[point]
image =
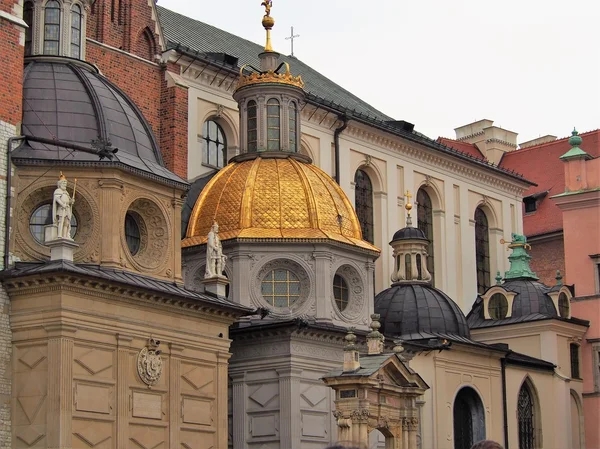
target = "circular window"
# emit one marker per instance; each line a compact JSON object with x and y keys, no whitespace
{"x":498,"y":306}
{"x":563,"y":305}
{"x":280,"y":288}
{"x":340,"y":292}
{"x":132,"y":233}
{"x":42,"y":217}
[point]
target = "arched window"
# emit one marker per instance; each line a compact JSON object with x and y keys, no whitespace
{"x":213,"y":144}
{"x":364,"y":204}
{"x":469,"y":419}
{"x":293,"y":111}
{"x":563,"y":305}
{"x":252,"y":135}
{"x":76,"y":31}
{"x":482,"y":251}
{"x":28,"y":19}
{"x":273,"y":125}
{"x":52,"y":28}
{"x":407,"y":267}
{"x":525,"y":417}
{"x":340,"y":292}
{"x":425,"y":224}
{"x":498,"y":306}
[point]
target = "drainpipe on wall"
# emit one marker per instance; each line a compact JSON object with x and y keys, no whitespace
{"x":336,"y":144}
{"x":504,"y":411}
{"x":9,"y":145}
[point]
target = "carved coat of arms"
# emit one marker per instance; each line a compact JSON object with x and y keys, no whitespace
{"x":149,"y":363}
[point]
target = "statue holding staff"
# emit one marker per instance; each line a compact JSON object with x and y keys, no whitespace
{"x":215,"y":259}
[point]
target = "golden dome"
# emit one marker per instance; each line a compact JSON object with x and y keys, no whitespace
{"x":274,"y":198}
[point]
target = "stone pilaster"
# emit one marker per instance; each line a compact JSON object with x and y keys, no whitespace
{"x":175,"y":395}
{"x":111,"y":223}
{"x":240,"y":392}
{"x":222,"y":425}
{"x":123,"y":368}
{"x":323,"y":284}
{"x":60,"y":386}
{"x":289,"y":392}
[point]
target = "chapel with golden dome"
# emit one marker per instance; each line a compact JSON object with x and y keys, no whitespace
{"x":292,"y":239}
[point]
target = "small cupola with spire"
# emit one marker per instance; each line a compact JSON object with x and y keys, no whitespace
{"x":269,"y":99}
{"x":56,"y":28}
{"x":409,"y":246}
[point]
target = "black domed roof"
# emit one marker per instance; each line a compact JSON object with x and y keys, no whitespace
{"x":409,"y":233}
{"x":68,"y":101}
{"x":415,"y":311}
{"x":532,"y":297}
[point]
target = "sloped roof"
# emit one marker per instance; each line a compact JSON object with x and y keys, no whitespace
{"x":464,"y":147}
{"x":542,"y":165}
{"x":179,"y":29}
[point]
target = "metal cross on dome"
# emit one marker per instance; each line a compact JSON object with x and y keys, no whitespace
{"x":291,"y":37}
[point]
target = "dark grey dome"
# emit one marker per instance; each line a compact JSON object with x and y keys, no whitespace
{"x":409,"y":233}
{"x":415,"y":311}
{"x":532,"y":297}
{"x":69,"y":102}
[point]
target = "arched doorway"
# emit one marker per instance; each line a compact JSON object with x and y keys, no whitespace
{"x":469,"y":419}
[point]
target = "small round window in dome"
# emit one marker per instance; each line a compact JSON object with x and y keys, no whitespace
{"x":498,"y":306}
{"x":280,"y":288}
{"x":132,"y":233}
{"x":340,"y":292}
{"x":41,"y":217}
{"x":563,"y":305}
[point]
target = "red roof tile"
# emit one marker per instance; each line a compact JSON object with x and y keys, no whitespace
{"x":464,"y":147}
{"x":541,"y":164}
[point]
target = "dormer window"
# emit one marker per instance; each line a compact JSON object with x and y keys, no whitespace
{"x":76,"y":31}
{"x":530,"y":205}
{"x":564,"y":305}
{"x":52,"y":28}
{"x":498,"y":306}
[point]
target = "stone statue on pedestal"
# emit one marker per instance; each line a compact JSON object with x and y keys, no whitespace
{"x":62,"y":209}
{"x":215,"y":259}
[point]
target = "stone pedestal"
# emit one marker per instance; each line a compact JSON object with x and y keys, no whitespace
{"x":50,"y":232}
{"x":61,"y":249}
{"x":216,"y":285}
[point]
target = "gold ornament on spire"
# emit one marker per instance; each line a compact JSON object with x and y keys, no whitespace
{"x":408,"y":206}
{"x":62,"y":177}
{"x":268,"y":22}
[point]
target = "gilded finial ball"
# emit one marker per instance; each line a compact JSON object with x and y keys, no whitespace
{"x":408,"y":207}
{"x":268,"y":22}
{"x":575,"y":140}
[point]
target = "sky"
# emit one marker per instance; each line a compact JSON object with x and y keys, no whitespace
{"x":531,"y":66}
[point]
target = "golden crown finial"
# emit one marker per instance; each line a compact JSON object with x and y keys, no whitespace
{"x":62,"y":177}
{"x":268,"y":22}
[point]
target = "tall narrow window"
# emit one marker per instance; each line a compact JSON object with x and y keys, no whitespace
{"x":525,"y":418}
{"x":213,"y":144}
{"x":273,"y":125}
{"x":28,"y":19}
{"x":574,"y":349}
{"x":425,"y":224}
{"x":482,"y":251}
{"x":252,"y":136}
{"x":76,"y":31}
{"x":407,"y":268}
{"x":364,"y":204}
{"x":51,"y":28}
{"x":293,"y":119}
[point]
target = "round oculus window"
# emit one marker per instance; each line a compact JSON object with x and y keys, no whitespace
{"x":132,"y":233}
{"x":280,"y":288}
{"x":563,"y":305}
{"x":340,"y":292}
{"x":42,"y":217}
{"x":498,"y":306}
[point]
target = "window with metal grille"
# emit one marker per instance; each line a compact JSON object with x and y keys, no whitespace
{"x":425,"y":224}
{"x":574,"y":348}
{"x":28,"y":19}
{"x":482,"y":251}
{"x":280,"y":288}
{"x":293,"y":111}
{"x":363,"y":204}
{"x":564,"y":305}
{"x":525,"y":417}
{"x":252,"y":134}
{"x":76,"y":31}
{"x":273,"y":125}
{"x":498,"y":306}
{"x":213,"y":144}
{"x":52,"y":28}
{"x":340,"y":292}
{"x":41,"y":217}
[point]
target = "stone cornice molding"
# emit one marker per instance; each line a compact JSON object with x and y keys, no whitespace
{"x":502,"y":142}
{"x":525,"y":329}
{"x":106,"y":290}
{"x":470,"y":136}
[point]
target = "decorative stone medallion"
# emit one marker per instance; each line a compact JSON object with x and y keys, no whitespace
{"x":149,"y":363}
{"x":356,"y":301}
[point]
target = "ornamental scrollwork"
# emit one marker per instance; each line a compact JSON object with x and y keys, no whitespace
{"x":360,"y":414}
{"x":149,"y":363}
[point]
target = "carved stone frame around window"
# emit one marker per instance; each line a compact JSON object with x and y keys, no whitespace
{"x":510,"y":296}
{"x":356,"y":298}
